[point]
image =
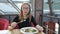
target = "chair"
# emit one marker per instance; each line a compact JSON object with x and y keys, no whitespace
{"x":51,"y":26}
{"x":4,"y":23}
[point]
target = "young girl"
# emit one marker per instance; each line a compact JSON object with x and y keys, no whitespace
{"x":25,"y":18}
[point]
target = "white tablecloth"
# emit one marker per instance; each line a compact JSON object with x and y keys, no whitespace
{"x":5,"y":32}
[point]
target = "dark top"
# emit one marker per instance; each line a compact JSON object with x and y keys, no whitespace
{"x":25,"y":23}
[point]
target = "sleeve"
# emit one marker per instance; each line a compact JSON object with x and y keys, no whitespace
{"x":33,"y":21}
{"x":16,"y":19}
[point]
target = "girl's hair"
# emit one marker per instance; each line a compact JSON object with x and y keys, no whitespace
{"x":28,"y":15}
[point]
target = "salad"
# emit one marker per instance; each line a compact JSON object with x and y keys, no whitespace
{"x":29,"y":30}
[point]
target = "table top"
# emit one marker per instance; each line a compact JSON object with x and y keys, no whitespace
{"x":17,"y":31}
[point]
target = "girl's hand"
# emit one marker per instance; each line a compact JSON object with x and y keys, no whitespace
{"x":10,"y":28}
{"x":13,"y":24}
{"x":39,"y":28}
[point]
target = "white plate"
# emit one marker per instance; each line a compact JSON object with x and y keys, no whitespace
{"x":22,"y":30}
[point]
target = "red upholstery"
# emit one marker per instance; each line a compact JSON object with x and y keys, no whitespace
{"x":32,"y":25}
{"x":4,"y":23}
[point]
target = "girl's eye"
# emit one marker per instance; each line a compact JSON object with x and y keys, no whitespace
{"x":25,"y":8}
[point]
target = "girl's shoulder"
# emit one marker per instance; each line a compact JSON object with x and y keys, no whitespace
{"x":17,"y":16}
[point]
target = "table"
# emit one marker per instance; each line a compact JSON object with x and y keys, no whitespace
{"x":17,"y":31}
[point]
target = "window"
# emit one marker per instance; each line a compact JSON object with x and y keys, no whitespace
{"x":55,"y":7}
{"x":21,"y":0}
{"x":45,"y":7}
{"x":11,"y":6}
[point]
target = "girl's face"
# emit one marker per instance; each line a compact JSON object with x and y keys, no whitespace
{"x":25,"y":9}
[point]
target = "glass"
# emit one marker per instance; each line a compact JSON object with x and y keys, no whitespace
{"x":18,"y":5}
{"x":7,"y":8}
{"x":46,"y":7}
{"x":56,"y":6}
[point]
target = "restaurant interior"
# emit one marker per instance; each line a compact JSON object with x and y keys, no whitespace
{"x":46,"y":13}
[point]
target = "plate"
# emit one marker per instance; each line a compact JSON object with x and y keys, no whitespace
{"x":29,"y":30}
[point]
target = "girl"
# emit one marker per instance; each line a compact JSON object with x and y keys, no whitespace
{"x":25,"y":18}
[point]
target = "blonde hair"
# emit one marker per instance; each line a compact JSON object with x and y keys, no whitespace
{"x":21,"y":17}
